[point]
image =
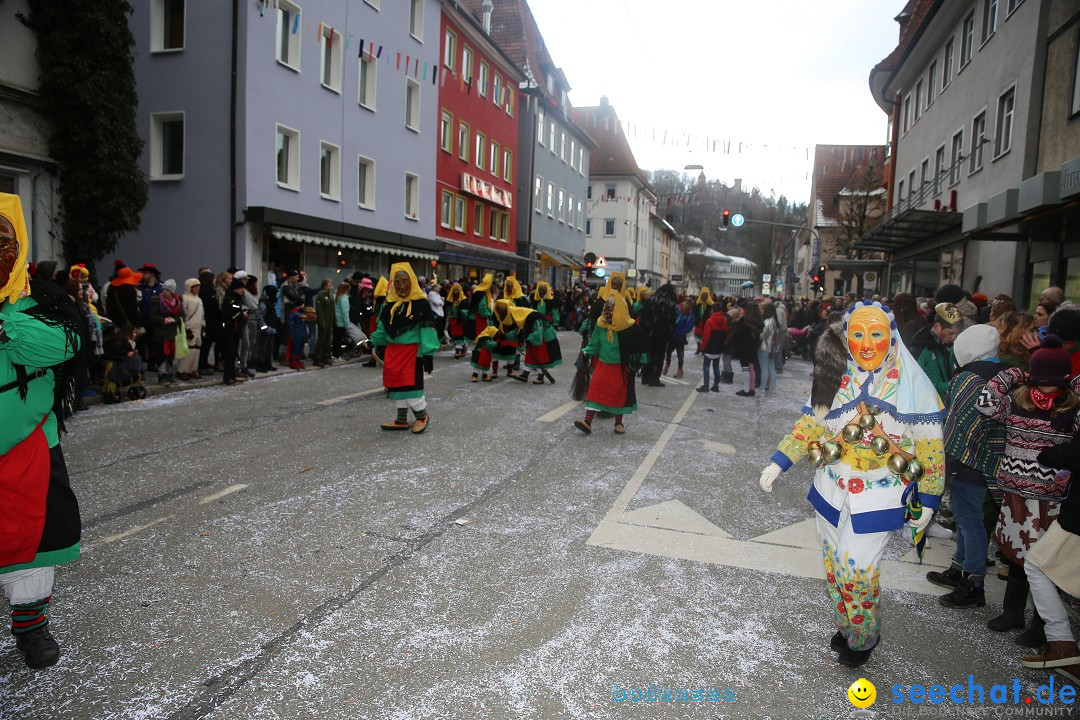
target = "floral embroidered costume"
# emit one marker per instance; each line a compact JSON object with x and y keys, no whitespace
{"x":39,"y":515}
{"x":873,"y":430}
{"x":406,"y":327}
{"x":617,"y":348}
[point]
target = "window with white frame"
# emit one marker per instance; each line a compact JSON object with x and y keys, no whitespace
{"x":330,"y":48}
{"x":989,"y":24}
{"x":482,"y":80}
{"x":573,"y":154}
{"x":562,"y":205}
{"x":508,"y":165}
{"x":967,"y":39}
{"x":480,"y":149}
{"x":538,"y":193}
{"x":508,"y":100}
{"x":287,"y":49}
{"x":412,"y":104}
{"x":551,"y":137}
{"x":956,"y":158}
{"x":947,"y":65}
{"x":570,"y":210}
{"x":1003,"y":137}
{"x":541,"y":125}
{"x":367,"y":82}
{"x":562,"y":145}
{"x":446,"y":131}
{"x":939,"y":169}
{"x":478,"y":218}
{"x":581,"y":162}
{"x":459,"y":213}
{"x":496,"y":90}
{"x":610,"y":191}
{"x":978,"y":139}
{"x":329,"y":171}
{"x":493,"y":224}
{"x":446,"y":209}
{"x":504,"y":226}
{"x":463,"y":141}
{"x":931,"y":79}
{"x":911,"y":182}
{"x":1012,"y":5}
{"x":365,"y":182}
{"x":167,"y":146}
{"x":167,"y":25}
{"x":918,"y":100}
{"x":907,"y":113}
{"x":580,"y":215}
{"x":288,"y":158}
{"x":493,"y":159}
{"x":609,"y":227}
{"x":550,"y":199}
{"x":467,"y":63}
{"x":412,"y":196}
{"x":900,"y":192}
{"x":450,"y":49}
{"x":924,"y":177}
{"x":416,"y":19}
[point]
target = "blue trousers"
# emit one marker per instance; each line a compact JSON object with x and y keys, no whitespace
{"x":715,"y":363}
{"x":968,"y":494}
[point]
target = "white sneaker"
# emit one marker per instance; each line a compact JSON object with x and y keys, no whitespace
{"x":936,"y":531}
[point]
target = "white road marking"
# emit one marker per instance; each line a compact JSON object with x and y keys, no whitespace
{"x":343,"y":398}
{"x":716,"y":447}
{"x":673,"y":515}
{"x":227,"y":491}
{"x":673,"y":381}
{"x":558,"y":412}
{"x":646,"y":465}
{"x":132,"y":531}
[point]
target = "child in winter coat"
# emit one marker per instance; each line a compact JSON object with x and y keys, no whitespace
{"x":713,"y":336}
{"x":298,"y":337}
{"x":684,"y":325}
{"x":1039,"y":410}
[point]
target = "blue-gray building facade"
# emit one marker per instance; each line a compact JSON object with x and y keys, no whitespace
{"x":302,"y":163}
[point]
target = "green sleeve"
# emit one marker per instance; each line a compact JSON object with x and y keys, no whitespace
{"x":33,"y":343}
{"x":484,"y":309}
{"x":928,"y":361}
{"x":536,"y":337}
{"x":593,"y":348}
{"x":379,"y":337}
{"x":429,"y":341}
{"x":555,"y":317}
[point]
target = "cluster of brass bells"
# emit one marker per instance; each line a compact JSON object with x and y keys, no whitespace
{"x":823,"y":453}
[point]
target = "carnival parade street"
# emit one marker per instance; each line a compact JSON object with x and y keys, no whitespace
{"x":265,"y":551}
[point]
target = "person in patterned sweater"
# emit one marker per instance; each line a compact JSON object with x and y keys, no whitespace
{"x":1039,"y":411}
{"x":872,"y":428}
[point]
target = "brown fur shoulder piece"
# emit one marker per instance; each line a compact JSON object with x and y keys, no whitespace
{"x":830,"y":362}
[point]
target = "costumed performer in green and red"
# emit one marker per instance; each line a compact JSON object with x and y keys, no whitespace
{"x":617,"y":348}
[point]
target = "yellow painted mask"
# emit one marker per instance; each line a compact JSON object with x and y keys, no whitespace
{"x":868,"y":337}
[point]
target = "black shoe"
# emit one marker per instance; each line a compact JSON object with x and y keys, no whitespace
{"x":966,"y":594}
{"x":584,"y":426}
{"x":838,"y":642}
{"x":703,"y":388}
{"x":950,"y":578}
{"x":714,"y":388}
{"x":745,"y":393}
{"x":855,"y":658}
{"x":1009,"y":619}
{"x":38,"y":647}
{"x":524,"y":378}
{"x":947,"y":523}
{"x":369,"y":363}
{"x":1033,"y":636}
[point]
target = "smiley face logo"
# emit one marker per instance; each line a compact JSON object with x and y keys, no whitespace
{"x":862,"y":693}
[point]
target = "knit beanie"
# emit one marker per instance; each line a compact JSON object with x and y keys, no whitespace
{"x":1050,"y":364}
{"x":169,"y":284}
{"x":1065,"y":324}
{"x":949,"y":294}
{"x":236,"y":284}
{"x":978,"y":342}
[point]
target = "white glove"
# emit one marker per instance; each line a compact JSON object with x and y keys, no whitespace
{"x":922,"y":522}
{"x":768,"y":476}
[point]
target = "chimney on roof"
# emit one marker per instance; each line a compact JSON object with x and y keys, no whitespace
{"x":604,"y":101}
{"x":488,"y":7}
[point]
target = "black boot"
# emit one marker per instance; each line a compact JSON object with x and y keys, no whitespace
{"x":727,"y":378}
{"x":968,"y":593}
{"x":1012,"y":613}
{"x":950,"y":578}
{"x":38,"y":647}
{"x":1033,"y":636}
{"x":838,"y":642}
{"x":855,"y":658}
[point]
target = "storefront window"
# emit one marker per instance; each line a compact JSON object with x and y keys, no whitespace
{"x":1039,"y":277}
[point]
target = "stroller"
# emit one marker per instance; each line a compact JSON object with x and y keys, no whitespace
{"x":356,"y":343}
{"x":120,"y":375}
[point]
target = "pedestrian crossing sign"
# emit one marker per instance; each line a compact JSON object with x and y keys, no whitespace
{"x":601,"y":261}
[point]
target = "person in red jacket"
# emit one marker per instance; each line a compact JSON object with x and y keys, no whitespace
{"x":712,"y":346}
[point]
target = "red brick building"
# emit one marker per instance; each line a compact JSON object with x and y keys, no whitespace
{"x":476,"y":170}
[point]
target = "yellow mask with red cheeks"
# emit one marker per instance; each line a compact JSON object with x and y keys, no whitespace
{"x":868,"y":337}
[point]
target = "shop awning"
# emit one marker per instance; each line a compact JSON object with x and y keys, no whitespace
{"x":338,"y":241}
{"x":907,"y":228}
{"x":557,"y":258}
{"x":457,"y":251}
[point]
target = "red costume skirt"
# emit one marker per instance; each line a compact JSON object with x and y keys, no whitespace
{"x":402,"y":369}
{"x":608,"y":389}
{"x":24,"y":486}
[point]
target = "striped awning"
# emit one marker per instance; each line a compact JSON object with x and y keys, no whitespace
{"x":338,"y":241}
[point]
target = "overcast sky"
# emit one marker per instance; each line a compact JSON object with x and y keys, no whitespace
{"x":777,"y":75}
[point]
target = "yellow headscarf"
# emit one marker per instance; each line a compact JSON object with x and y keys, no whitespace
{"x":620,"y":318}
{"x":485,"y":286}
{"x":456,"y":294}
{"x":644,"y":293}
{"x":415,"y":291}
{"x":18,"y":284}
{"x":512,"y":289}
{"x":704,"y":297}
{"x":543,"y":292}
{"x":513,"y":315}
{"x":381,"y":287}
{"x":602,"y":293}
{"x":631,"y":295}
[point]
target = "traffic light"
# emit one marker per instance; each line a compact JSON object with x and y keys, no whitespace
{"x":819,"y":279}
{"x":590,"y":264}
{"x":726,"y":215}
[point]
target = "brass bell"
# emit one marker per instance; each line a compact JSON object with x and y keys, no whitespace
{"x":867,"y":421}
{"x":814,"y":454}
{"x":851,"y":433}
{"x":830,"y":452}
{"x":880,"y":444}
{"x":897,"y":463}
{"x":914,"y":470}
{"x":873,"y":410}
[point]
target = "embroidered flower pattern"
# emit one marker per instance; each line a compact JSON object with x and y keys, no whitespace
{"x":854,"y":592}
{"x":855,"y":486}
